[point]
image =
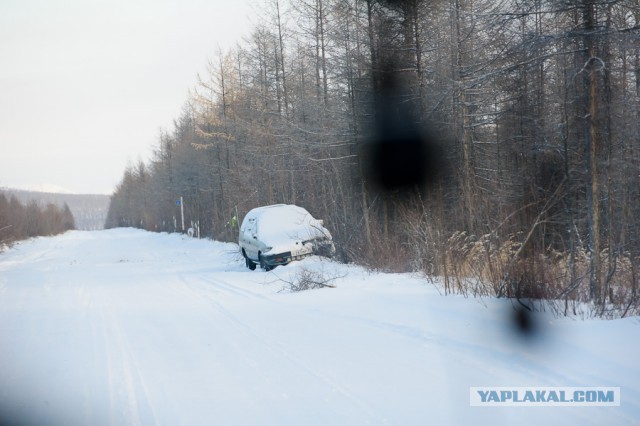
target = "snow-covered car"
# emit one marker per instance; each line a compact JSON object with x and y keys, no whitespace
{"x":278,"y":234}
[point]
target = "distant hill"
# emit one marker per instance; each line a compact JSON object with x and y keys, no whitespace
{"x":89,"y":210}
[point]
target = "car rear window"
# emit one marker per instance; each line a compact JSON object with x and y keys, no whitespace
{"x":283,"y":222}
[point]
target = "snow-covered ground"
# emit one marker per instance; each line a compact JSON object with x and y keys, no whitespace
{"x":128,"y":327}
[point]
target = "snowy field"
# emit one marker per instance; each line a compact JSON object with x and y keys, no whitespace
{"x":126,"y":327}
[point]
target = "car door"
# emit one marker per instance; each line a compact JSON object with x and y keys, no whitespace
{"x":250,"y":239}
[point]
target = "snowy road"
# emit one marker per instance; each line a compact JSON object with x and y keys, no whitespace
{"x":127,"y":327}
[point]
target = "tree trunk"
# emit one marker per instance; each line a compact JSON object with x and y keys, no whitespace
{"x":592,"y":154}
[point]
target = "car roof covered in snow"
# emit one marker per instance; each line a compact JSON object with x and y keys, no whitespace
{"x":286,"y":221}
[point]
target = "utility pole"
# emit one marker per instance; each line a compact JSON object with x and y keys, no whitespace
{"x":180,"y":202}
{"x":182,"y":211}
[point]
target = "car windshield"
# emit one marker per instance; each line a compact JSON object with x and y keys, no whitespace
{"x":286,"y":223}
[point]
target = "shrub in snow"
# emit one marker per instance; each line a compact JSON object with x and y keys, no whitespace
{"x":308,"y":279}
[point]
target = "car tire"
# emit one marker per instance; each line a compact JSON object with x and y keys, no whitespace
{"x":251,"y":265}
{"x":248,"y":262}
{"x":263,"y":264}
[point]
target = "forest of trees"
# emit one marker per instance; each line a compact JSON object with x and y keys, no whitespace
{"x":535,"y":105}
{"x":19,"y":221}
{"x":89,"y":210}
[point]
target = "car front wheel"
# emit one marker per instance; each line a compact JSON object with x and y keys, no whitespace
{"x":248,"y":262}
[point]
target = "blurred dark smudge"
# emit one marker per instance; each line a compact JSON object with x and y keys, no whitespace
{"x":403,"y":153}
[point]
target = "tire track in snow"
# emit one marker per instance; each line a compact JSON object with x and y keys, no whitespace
{"x":128,"y":397}
{"x":469,"y":353}
{"x":226,"y":287}
{"x":279,"y":350}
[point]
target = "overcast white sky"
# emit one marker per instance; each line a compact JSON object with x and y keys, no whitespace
{"x":85,"y":85}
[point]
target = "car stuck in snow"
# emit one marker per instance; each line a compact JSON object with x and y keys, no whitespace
{"x":278,"y":234}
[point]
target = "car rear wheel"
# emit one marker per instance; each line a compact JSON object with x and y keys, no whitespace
{"x":263,"y":264}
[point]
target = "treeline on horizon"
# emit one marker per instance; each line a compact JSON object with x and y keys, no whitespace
{"x":537,"y":103}
{"x":19,"y":221}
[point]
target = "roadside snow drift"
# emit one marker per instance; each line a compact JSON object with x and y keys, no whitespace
{"x":128,"y":327}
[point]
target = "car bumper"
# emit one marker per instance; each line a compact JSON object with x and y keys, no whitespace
{"x":320,"y":247}
{"x":283,"y":258}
